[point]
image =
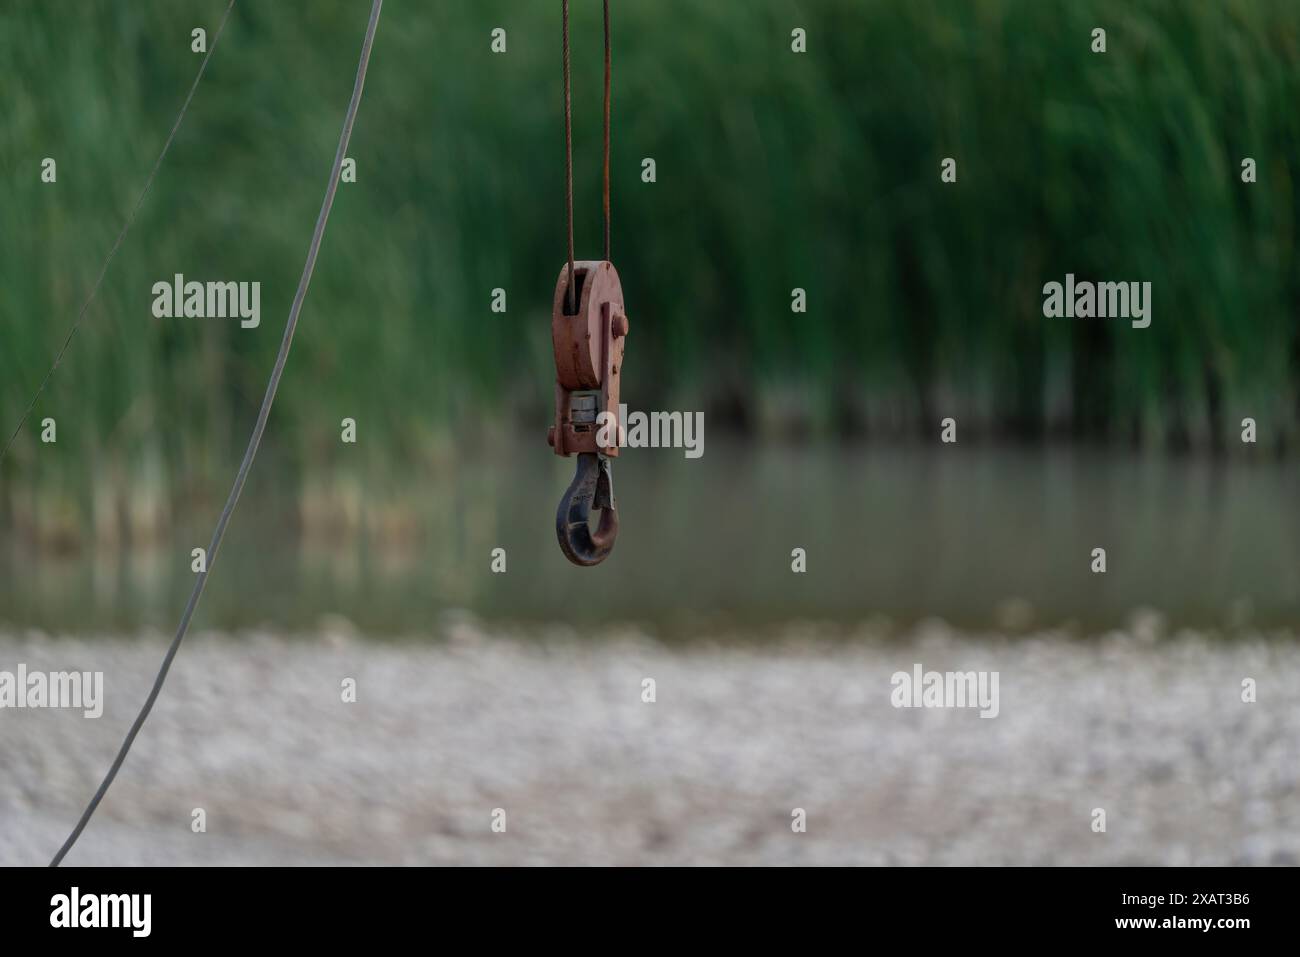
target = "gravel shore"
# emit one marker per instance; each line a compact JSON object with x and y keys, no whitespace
{"x":551,"y":728}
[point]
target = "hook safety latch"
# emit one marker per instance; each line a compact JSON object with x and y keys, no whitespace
{"x":588,"y":344}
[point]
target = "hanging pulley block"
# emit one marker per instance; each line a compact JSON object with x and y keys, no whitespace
{"x":588,"y":333}
{"x":588,"y":344}
{"x":588,"y":329}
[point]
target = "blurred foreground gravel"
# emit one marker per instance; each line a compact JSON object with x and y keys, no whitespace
{"x":551,"y":727}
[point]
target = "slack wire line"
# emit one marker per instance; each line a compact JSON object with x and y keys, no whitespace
{"x":112,"y":253}
{"x":254,"y":440}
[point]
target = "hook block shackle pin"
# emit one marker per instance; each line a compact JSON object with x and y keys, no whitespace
{"x":588,"y":345}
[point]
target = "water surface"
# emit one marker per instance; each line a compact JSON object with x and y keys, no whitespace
{"x":978,"y":536}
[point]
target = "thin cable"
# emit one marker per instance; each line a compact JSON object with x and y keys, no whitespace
{"x":568,"y":153}
{"x":94,"y":289}
{"x":607,"y":71}
{"x":253,"y":441}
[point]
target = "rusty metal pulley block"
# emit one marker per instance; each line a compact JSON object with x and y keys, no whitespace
{"x":588,"y":333}
{"x":588,"y":329}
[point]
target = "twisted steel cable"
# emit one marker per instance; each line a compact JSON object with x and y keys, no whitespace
{"x":254,"y":440}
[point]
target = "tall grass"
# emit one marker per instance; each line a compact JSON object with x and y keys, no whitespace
{"x":775,"y":170}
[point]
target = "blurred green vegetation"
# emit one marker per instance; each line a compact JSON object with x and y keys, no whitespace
{"x":775,"y":170}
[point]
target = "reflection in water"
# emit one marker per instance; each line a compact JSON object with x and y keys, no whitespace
{"x":976,"y":536}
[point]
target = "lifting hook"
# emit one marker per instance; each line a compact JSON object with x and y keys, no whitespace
{"x":593,"y":484}
{"x":588,"y":344}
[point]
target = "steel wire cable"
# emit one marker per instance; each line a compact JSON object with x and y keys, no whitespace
{"x":254,"y":440}
{"x":126,"y":227}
